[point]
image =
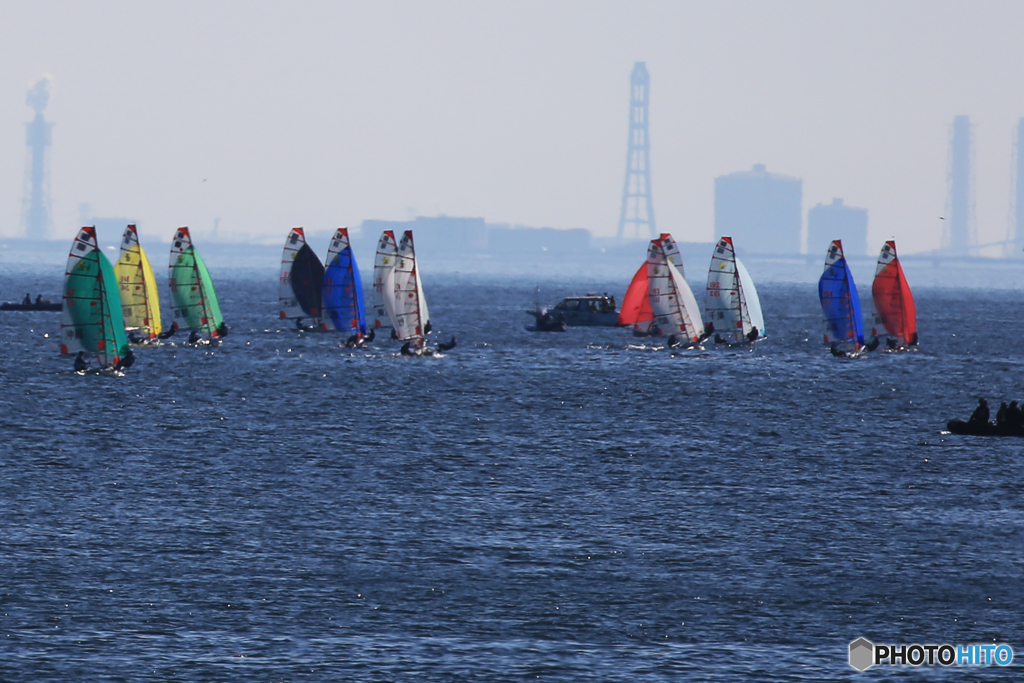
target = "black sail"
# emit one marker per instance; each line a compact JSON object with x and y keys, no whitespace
{"x":307,"y":280}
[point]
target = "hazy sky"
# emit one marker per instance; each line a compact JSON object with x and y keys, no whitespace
{"x":272,"y":114}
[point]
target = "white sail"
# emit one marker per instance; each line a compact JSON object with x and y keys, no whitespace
{"x":723,"y":303}
{"x":390,"y":304}
{"x":731,"y":304}
{"x":339,"y":243}
{"x":289,"y":305}
{"x":672,"y":252}
{"x":672,"y":302}
{"x":383,"y":282}
{"x":750,"y":298}
{"x":408,"y":320}
{"x":424,"y":313}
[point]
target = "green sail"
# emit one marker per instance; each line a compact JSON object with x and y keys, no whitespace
{"x":93,"y":322}
{"x":195,"y":301}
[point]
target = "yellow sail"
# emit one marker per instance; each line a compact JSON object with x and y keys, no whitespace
{"x":140,"y":302}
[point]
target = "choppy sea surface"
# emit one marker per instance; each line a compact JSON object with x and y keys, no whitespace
{"x":554,"y":507}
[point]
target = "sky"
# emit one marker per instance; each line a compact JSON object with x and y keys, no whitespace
{"x":268,"y":115}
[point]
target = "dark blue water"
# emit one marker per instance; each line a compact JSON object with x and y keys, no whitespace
{"x":528,"y":507}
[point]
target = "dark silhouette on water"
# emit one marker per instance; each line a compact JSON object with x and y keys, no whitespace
{"x":80,"y":363}
{"x":547,"y":323}
{"x":126,"y":361}
{"x":1008,"y":421}
{"x":981,"y":413}
{"x":1014,"y":415}
{"x":168,"y":333}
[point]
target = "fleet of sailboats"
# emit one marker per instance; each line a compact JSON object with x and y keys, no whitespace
{"x":107,"y":306}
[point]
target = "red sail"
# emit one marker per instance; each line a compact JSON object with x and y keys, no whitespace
{"x":636,"y":305}
{"x":894,"y":302}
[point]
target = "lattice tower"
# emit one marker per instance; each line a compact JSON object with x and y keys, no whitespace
{"x":637,"y":217}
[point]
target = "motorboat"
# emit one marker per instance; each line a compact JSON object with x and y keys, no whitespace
{"x":590,"y":310}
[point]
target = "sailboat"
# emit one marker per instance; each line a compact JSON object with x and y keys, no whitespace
{"x":140,"y":301}
{"x":894,"y":311}
{"x":384,"y":282}
{"x":302,"y":277}
{"x":342,"y":288}
{"x":410,"y":317}
{"x":840,"y":305}
{"x":658,"y":299}
{"x":732,"y":307}
{"x":91,"y":320}
{"x":193,"y":299}
{"x":672,"y":302}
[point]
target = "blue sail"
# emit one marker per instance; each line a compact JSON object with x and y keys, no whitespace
{"x":343,"y":293}
{"x":840,"y":304}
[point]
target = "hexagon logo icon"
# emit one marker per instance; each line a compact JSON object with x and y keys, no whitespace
{"x":862,"y":654}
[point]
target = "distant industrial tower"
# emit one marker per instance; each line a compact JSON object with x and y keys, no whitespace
{"x":959,"y":233}
{"x":36,"y":203}
{"x":637,"y":210}
{"x":1015,"y":229}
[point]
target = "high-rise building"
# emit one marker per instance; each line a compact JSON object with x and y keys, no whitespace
{"x":761,"y":211}
{"x":837,"y":221}
{"x":36,"y":203}
{"x":959,"y":228}
{"x":636,"y":220}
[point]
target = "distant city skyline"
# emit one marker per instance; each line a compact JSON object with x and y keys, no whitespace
{"x":320,"y":114}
